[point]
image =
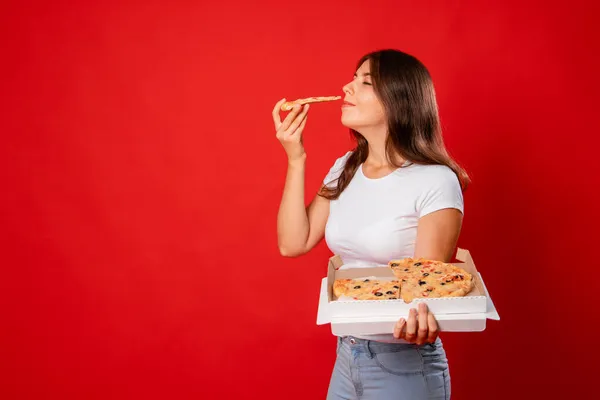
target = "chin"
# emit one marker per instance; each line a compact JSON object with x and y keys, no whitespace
{"x":358,"y":126}
{"x":361,"y":122}
{"x":351,"y":123}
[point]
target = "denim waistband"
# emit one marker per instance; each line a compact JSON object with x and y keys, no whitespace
{"x":371,"y":347}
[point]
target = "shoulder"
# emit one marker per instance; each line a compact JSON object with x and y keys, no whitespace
{"x":438,"y":188}
{"x":434,"y":175}
{"x":337,"y":168}
{"x":341,"y":161}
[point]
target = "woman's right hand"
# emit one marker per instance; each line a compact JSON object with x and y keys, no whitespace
{"x":289,"y":132}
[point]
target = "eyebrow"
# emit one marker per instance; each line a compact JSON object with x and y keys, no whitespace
{"x":365,"y":74}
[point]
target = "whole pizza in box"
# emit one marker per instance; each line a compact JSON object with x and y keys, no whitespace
{"x":416,"y":278}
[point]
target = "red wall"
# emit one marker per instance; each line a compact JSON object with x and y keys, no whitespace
{"x":139,"y":166}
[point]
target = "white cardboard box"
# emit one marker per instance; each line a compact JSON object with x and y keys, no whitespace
{"x":370,"y":317}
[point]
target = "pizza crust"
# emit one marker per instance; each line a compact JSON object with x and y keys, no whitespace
{"x":288,"y":105}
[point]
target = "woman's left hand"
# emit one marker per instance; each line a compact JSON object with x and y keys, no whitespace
{"x":420,"y":328}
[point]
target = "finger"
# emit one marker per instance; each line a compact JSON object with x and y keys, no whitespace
{"x":423,"y":330}
{"x":399,"y":328}
{"x":411,"y":326}
{"x":298,"y":121}
{"x":290,"y":118}
{"x":296,"y":135}
{"x":434,"y":330}
{"x":301,"y":128}
{"x":276,"y":116}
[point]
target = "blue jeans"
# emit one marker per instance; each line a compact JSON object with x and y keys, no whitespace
{"x":368,"y":370}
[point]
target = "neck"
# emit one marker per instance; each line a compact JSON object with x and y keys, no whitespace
{"x":377,"y":155}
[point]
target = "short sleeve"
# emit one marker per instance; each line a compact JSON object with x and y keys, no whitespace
{"x":336,"y":170}
{"x":442,"y":191}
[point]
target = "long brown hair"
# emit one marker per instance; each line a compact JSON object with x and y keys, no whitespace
{"x":405,"y":88}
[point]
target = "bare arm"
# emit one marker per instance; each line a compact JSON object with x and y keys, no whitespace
{"x":437,"y":234}
{"x":299,"y":228}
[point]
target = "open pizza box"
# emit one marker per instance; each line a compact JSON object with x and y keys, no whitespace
{"x":370,"y":317}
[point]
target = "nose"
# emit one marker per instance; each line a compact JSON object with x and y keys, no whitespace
{"x":348,"y":88}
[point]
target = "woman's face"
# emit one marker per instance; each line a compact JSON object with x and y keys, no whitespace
{"x":362,"y":109}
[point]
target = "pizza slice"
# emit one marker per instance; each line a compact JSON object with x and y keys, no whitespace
{"x":406,"y":267}
{"x":288,"y":105}
{"x":427,"y":278}
{"x":342,"y":287}
{"x":366,"y":289}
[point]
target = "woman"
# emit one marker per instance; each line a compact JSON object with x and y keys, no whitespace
{"x":397,"y":194}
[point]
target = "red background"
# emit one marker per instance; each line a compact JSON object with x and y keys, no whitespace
{"x":139,"y":159}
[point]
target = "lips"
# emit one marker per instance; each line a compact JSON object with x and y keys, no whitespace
{"x":348,"y":104}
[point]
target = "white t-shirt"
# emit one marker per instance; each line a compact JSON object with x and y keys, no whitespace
{"x":375,"y":220}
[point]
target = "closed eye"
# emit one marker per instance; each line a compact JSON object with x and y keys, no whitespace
{"x":364,"y":76}
{"x":364,"y":82}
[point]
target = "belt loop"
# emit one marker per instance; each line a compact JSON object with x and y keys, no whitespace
{"x":368,"y":348}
